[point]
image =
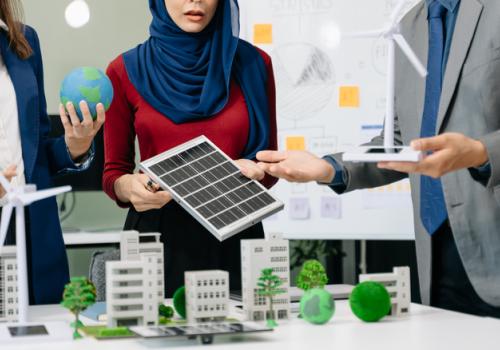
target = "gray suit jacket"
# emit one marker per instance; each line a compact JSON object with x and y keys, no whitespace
{"x":470,"y":104}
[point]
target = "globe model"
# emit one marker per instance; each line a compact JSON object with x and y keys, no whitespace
{"x":87,"y":84}
{"x":317,"y":306}
{"x":370,"y":301}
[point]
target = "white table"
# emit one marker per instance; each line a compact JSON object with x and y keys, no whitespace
{"x":425,"y":329}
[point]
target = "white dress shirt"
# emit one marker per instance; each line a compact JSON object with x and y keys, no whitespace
{"x":10,"y":137}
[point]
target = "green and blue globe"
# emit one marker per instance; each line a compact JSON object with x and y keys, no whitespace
{"x":88,"y":84}
{"x":317,"y":306}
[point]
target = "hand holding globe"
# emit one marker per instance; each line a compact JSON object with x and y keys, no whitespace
{"x":86,"y":93}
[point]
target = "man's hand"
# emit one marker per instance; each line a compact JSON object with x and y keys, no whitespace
{"x":450,"y":152}
{"x":296,"y":166}
{"x":250,"y":169}
{"x":9,"y":173}
{"x":79,"y":134}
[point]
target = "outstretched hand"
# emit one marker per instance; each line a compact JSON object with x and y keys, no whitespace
{"x":295,"y":166}
{"x":450,"y":152}
{"x":9,"y":173}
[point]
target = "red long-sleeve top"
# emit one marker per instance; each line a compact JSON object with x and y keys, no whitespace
{"x":130,"y":115}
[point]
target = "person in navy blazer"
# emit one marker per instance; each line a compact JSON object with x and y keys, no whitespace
{"x":43,"y":157}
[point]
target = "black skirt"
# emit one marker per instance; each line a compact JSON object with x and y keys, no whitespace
{"x":188,"y":246}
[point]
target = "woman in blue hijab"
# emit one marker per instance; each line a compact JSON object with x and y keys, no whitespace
{"x":192,"y":77}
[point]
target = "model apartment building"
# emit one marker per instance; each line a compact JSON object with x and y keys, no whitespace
{"x":397,"y":284}
{"x":259,"y":254}
{"x":131,"y":293}
{"x":8,"y":284}
{"x":134,"y":245}
{"x":207,"y":295}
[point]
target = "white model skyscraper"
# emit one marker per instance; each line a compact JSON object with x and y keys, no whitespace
{"x":207,"y":295}
{"x":259,"y":254}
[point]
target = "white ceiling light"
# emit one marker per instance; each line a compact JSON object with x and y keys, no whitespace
{"x":77,"y":13}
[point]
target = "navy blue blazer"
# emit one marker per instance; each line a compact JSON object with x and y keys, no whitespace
{"x":44,"y":158}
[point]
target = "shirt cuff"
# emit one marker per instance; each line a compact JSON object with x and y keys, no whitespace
{"x":482,"y":173}
{"x":339,"y":182}
{"x":83,"y":162}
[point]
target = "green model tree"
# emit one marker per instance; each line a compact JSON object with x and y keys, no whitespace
{"x":78,"y":295}
{"x":312,"y":275}
{"x":269,"y":287}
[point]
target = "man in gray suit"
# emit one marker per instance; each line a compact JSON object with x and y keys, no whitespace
{"x":453,"y":116}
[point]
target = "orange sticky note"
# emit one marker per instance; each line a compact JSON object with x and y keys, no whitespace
{"x":295,"y":143}
{"x":263,"y":34}
{"x":349,"y":97}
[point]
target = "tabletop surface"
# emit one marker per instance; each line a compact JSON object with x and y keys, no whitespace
{"x":425,"y":328}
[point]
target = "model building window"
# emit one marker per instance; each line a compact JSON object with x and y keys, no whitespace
{"x":223,"y":282}
{"x":199,"y":308}
{"x":216,"y":282}
{"x":10,"y":267}
{"x":282,"y":314}
{"x":205,"y":283}
{"x":258,"y":250}
{"x":211,"y":282}
{"x":9,"y":278}
{"x":205,"y":308}
{"x":205,"y":295}
{"x":199,"y":283}
{"x":217,"y":295}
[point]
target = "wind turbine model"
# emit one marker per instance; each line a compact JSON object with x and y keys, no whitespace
{"x":19,"y":197}
{"x":391,"y":32}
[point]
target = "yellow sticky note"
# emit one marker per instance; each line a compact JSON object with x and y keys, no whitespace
{"x":263,"y":34}
{"x":295,"y":143}
{"x":349,"y":97}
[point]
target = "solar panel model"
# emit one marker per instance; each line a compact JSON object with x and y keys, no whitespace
{"x":209,"y":185}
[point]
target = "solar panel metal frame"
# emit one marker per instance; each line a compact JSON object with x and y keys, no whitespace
{"x":229,"y":230}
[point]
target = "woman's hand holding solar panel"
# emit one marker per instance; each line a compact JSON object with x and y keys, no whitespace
{"x":141,"y":192}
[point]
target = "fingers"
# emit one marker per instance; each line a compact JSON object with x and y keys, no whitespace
{"x":87,"y":122}
{"x":250,"y":169}
{"x":430,"y":143}
{"x":10,"y":172}
{"x":435,"y":165}
{"x":147,"y":196}
{"x":101,"y":116}
{"x":75,"y":121}
{"x":68,"y":128}
{"x":271,"y":156}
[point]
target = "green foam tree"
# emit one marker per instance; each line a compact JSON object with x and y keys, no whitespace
{"x":269,"y":284}
{"x":78,"y":295}
{"x":370,"y":301}
{"x":312,"y":275}
{"x":180,"y":301}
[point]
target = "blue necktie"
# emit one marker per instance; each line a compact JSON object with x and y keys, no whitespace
{"x":432,"y":206}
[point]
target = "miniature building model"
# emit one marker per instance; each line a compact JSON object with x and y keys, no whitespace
{"x":207,"y":295}
{"x":8,"y":284}
{"x":134,"y":245}
{"x":259,"y":254}
{"x":398,"y":286}
{"x":131,"y":297}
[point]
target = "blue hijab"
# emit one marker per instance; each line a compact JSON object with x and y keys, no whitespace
{"x":186,"y":76}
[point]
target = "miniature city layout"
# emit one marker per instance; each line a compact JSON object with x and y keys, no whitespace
{"x":135,"y":308}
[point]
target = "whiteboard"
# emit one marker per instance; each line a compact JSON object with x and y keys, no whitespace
{"x":330,"y":97}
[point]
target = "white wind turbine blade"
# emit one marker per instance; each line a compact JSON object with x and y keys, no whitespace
{"x":367,"y":34}
{"x":5,"y":183}
{"x":405,"y":47}
{"x":4,"y":224}
{"x":396,"y":13}
{"x":28,"y":198}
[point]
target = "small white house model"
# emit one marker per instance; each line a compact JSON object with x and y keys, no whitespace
{"x":134,"y":245}
{"x":207,"y":295}
{"x":8,"y":284}
{"x":259,"y":254}
{"x":131,"y":297}
{"x":398,"y":286}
